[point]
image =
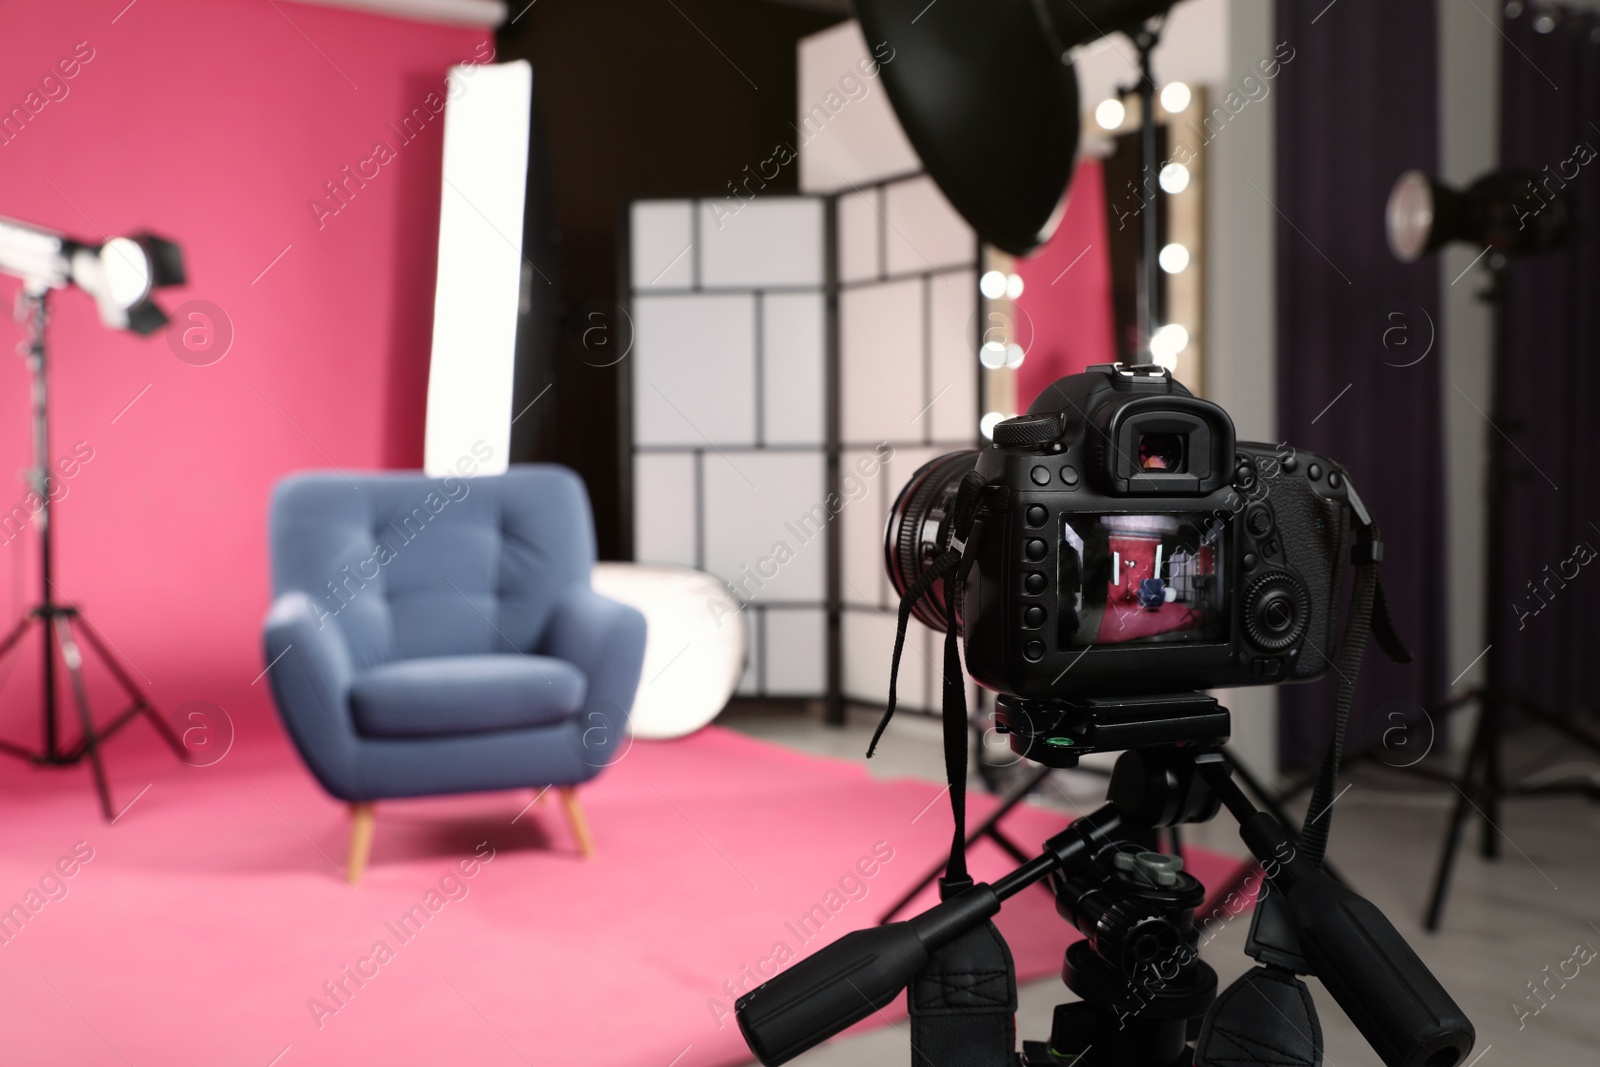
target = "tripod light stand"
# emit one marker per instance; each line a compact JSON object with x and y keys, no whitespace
{"x":1423,"y":216}
{"x":119,"y":274}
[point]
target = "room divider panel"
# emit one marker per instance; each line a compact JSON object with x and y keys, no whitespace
{"x":795,"y":359}
{"x":729,"y":418}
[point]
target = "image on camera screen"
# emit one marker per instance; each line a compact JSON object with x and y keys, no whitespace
{"x":1142,"y":578}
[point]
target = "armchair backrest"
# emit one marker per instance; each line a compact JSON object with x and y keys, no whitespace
{"x":407,"y":565}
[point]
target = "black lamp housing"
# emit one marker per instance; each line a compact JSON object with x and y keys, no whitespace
{"x":1507,"y":211}
{"x":120,"y":273}
{"x":164,"y":260}
{"x":987,"y":94}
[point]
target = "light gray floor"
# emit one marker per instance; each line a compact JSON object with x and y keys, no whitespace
{"x":1505,"y":923}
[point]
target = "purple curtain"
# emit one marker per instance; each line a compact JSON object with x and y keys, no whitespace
{"x":1358,"y":105}
{"x":1549,"y":381}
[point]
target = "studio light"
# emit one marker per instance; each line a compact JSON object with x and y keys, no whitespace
{"x":1175,"y":97}
{"x":967,"y":77}
{"x":119,"y":274}
{"x":992,"y":284}
{"x":1504,"y":215}
{"x":1174,"y":178}
{"x":1511,"y":212}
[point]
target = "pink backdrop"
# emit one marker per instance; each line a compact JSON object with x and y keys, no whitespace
{"x":216,"y":122}
{"x":1066,"y":292}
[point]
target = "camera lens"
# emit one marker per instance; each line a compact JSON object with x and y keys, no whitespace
{"x":919,"y":529}
{"x":1162,"y":452}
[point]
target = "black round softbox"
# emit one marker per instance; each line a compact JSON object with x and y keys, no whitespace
{"x":989,"y":102}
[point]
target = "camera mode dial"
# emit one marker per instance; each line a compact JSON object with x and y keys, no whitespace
{"x":1276,"y":607}
{"x":1030,"y":431}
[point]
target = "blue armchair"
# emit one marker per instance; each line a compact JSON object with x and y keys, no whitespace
{"x":438,"y":635}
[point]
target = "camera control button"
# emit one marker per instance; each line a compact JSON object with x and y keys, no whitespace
{"x":1040,"y":476}
{"x":1334,"y":481}
{"x":1314,"y":471}
{"x":1290,"y":464}
{"x":1069,"y":474}
{"x":1244,"y":476}
{"x":1249,"y":560}
{"x":1035,"y":550}
{"x":1033,"y":651}
{"x":1258,"y":521}
{"x":1035,"y":583}
{"x":1037,"y":515}
{"x":1276,"y":610}
{"x":1033,"y":618}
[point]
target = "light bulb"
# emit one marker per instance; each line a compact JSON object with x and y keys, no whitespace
{"x":1014,"y":286}
{"x":987,"y":424}
{"x":1167,"y":342}
{"x":127,"y":270}
{"x":992,"y":355}
{"x":1175,"y":97}
{"x":992,"y":285}
{"x":1174,"y":178}
{"x":1110,"y":114}
{"x":1174,"y":259}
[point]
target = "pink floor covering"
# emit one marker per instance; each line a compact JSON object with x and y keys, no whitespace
{"x":211,"y":914}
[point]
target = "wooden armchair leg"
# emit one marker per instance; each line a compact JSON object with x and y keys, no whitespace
{"x":361,"y":823}
{"x":580,"y":826}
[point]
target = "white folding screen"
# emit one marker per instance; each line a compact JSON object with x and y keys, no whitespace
{"x":796,"y":360}
{"x":730,"y":418}
{"x":908,"y":388}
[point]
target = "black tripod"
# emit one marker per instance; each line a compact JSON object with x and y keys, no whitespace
{"x":1027,"y":785}
{"x":1481,"y":785}
{"x":60,"y":624}
{"x":1147,"y":998}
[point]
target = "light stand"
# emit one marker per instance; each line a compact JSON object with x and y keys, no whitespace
{"x":1423,"y":215}
{"x":1481,"y":785}
{"x":120,"y":274}
{"x":1146,"y":36}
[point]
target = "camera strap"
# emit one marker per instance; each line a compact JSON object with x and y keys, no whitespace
{"x":963,"y":1002}
{"x":1369,"y":618}
{"x":947,"y":567}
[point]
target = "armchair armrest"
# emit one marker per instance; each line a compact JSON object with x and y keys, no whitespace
{"x":605,"y":640}
{"x":310,"y":670}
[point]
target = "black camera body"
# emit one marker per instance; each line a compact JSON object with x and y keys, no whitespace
{"x":1125,"y":543}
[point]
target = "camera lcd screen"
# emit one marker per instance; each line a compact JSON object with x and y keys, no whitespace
{"x":1145,"y":579}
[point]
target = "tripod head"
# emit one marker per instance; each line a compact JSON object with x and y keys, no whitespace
{"x":1137,"y":970}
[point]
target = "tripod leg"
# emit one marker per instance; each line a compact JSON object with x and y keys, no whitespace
{"x":114,"y":665}
{"x":1273,"y":803}
{"x":1493,"y":783}
{"x":17,"y":633}
{"x":72,"y":656}
{"x":1466,"y":786}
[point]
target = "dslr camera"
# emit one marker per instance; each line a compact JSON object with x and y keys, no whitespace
{"x":1128,"y":545}
{"x":1115,"y":552}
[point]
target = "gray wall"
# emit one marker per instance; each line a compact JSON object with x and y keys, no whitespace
{"x":1240,"y":372}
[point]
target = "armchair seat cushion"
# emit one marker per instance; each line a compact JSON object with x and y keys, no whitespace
{"x":436,"y":696}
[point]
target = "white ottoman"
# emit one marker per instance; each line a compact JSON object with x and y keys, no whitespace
{"x":691,"y":664}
